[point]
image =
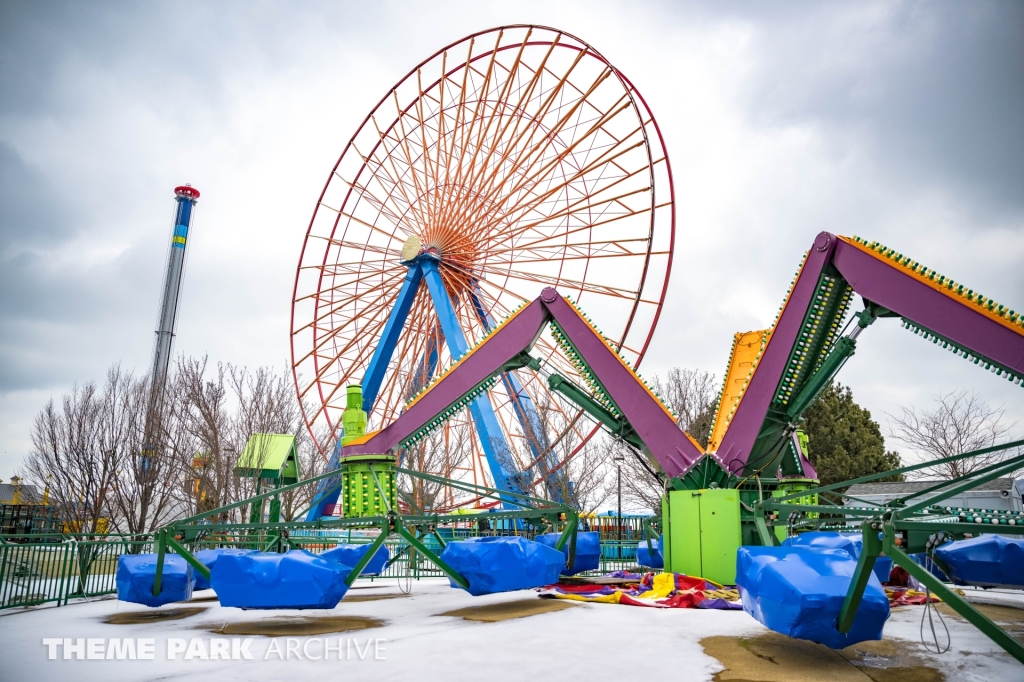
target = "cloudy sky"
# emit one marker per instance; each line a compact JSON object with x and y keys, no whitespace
{"x":896,"y":121}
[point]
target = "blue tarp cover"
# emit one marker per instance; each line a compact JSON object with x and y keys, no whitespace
{"x":649,"y":559}
{"x":349,"y":555}
{"x":985,"y":561}
{"x":588,"y":551}
{"x":295,"y":580}
{"x":208,"y":557}
{"x":849,"y":542}
{"x":502,"y":564}
{"x":798,"y":591}
{"x":135,"y":574}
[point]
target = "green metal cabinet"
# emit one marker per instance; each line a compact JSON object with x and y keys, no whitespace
{"x":702,"y":533}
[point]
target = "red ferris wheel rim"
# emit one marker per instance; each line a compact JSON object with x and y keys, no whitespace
{"x":638,"y":102}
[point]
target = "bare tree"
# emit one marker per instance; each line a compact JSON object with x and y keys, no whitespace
{"x":692,"y":395}
{"x":572,"y":472}
{"x":144,"y":493}
{"x":68,"y":452}
{"x":443,"y":452}
{"x":960,"y":422}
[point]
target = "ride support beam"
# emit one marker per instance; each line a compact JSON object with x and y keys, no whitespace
{"x":673,"y":449}
{"x":746,"y":422}
{"x":499,"y":455}
{"x":522,"y":404}
{"x":385,"y":349}
{"x":929,"y":305}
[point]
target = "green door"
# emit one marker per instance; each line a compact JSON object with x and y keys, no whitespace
{"x":702,"y":533}
{"x":682,"y":551}
{"x":719,"y":534}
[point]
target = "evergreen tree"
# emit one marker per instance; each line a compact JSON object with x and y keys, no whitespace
{"x":844,"y":442}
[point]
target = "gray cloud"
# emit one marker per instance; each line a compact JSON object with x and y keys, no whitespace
{"x":897,"y":121}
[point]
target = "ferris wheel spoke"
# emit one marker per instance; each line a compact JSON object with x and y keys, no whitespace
{"x":519,"y":210}
{"x":383,"y":209}
{"x":396,"y":176}
{"x":545,"y":106}
{"x":496,"y":111}
{"x":531,"y":152}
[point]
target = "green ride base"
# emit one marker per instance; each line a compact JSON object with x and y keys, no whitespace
{"x":368,"y":486}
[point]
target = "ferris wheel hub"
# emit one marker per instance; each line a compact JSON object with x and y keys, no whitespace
{"x":411,"y":248}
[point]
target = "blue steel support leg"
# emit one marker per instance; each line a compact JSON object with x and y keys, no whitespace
{"x":499,"y":456}
{"x":325,"y":490}
{"x":389,"y":339}
{"x":522,"y":403}
{"x":371,"y":381}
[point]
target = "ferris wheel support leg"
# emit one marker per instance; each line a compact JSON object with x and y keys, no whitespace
{"x":327,"y":490}
{"x":389,"y":339}
{"x":525,"y":411}
{"x":492,"y":440}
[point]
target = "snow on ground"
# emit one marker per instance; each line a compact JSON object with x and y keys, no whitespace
{"x":587,"y":642}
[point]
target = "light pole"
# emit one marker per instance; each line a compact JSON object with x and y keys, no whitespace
{"x":618,"y":459}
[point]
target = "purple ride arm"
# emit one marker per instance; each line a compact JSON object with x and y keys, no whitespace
{"x":753,"y":407}
{"x":666,"y":441}
{"x":880,"y":281}
{"x":510,"y":339}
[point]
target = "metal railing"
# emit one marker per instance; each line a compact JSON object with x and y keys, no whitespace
{"x":45,"y":569}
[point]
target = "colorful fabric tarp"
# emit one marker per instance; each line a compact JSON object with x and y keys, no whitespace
{"x":662,"y":590}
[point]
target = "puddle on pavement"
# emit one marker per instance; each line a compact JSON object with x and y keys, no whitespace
{"x":370,"y":597}
{"x":776,"y":658}
{"x":492,"y":613}
{"x":296,"y":626}
{"x":154,"y":616}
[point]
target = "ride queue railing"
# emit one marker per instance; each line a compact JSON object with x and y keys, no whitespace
{"x":55,"y":569}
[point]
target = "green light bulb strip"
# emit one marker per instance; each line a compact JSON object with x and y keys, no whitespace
{"x":982,"y":361}
{"x":952,"y":287}
{"x":425,"y":430}
{"x":456,"y":361}
{"x":817,"y":335}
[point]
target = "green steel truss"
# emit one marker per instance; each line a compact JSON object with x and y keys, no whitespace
{"x":535,"y":512}
{"x":912,"y":524}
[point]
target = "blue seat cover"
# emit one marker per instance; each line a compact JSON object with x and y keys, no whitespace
{"x":798,"y":591}
{"x":654,"y":559}
{"x":350,"y":555}
{"x":208,"y":558}
{"x":985,"y":561}
{"x":588,"y":551}
{"x":295,"y":580}
{"x":136,"y":573}
{"x":848,"y":542}
{"x":503,"y":564}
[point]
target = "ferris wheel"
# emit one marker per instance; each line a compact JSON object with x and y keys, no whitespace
{"x":514,"y":159}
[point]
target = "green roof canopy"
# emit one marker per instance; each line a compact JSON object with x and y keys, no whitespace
{"x":270,"y":455}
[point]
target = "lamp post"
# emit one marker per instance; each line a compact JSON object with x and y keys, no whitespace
{"x":619,"y":459}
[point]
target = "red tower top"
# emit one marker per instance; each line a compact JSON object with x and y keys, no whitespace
{"x":187,"y":191}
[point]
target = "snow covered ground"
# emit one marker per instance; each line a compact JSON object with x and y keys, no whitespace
{"x":586,"y":642}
